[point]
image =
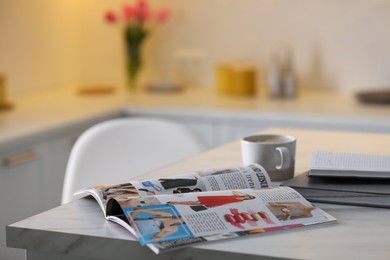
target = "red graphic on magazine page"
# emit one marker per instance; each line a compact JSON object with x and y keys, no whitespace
{"x":252,"y":218}
{"x":215,"y":201}
{"x":266,"y":217}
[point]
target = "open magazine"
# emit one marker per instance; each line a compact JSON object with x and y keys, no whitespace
{"x":172,"y":212}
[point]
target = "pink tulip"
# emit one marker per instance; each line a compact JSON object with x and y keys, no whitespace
{"x":163,"y":15}
{"x":110,"y":17}
{"x":142,"y":3}
{"x":129,"y":13}
{"x":142,"y":10}
{"x":145,"y":15}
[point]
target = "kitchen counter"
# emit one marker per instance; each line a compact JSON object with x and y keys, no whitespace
{"x":44,"y":114}
{"x":78,"y":230}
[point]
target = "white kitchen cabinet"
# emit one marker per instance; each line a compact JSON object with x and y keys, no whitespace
{"x":22,"y":190}
{"x":231,"y":132}
{"x":219,"y":127}
{"x":203,"y":126}
{"x":205,"y":131}
{"x":59,"y":153}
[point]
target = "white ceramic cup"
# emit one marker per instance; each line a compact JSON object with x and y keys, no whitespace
{"x":276,"y":153}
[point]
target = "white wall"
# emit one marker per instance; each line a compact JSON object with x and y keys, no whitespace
{"x":37,"y":43}
{"x":340,"y":44}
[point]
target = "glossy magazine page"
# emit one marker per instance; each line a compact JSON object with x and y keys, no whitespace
{"x":131,"y":193}
{"x":176,"y":220}
{"x":171,"y":212}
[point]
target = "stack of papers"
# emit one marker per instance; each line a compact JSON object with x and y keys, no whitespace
{"x":337,"y":164}
{"x":345,"y":178}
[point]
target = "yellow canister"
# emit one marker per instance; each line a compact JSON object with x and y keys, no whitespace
{"x":224,"y":78}
{"x":244,"y":79}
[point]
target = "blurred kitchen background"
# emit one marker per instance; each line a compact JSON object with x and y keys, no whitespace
{"x":341,"y":44}
{"x":62,"y":70}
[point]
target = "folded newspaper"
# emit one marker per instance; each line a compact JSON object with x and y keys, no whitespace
{"x":171,"y":212}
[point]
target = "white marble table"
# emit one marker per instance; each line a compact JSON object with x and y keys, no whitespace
{"x":79,"y":231}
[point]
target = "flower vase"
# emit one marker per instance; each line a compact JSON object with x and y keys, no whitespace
{"x":134,"y":37}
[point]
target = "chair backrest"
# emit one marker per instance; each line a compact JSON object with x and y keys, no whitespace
{"x":121,"y":149}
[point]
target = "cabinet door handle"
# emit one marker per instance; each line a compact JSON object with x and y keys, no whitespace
{"x":20,"y":158}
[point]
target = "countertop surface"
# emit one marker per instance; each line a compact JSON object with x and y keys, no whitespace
{"x":50,"y":110}
{"x":361,"y":233}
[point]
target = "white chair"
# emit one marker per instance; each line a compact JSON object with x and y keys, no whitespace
{"x":121,"y":149}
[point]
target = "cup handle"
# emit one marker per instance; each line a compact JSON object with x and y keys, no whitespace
{"x":285,"y":158}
